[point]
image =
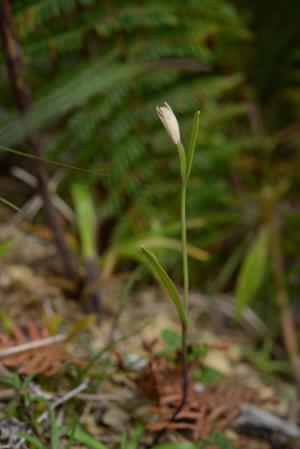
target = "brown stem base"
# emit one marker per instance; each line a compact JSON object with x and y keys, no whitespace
{"x":185,"y":384}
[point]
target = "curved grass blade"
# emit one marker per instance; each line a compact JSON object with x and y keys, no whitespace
{"x":5,"y":247}
{"x":132,"y":441}
{"x":86,"y":218}
{"x":176,"y":445}
{"x":97,"y":357}
{"x":9,"y":204}
{"x":55,"y":439}
{"x":71,"y":432}
{"x":166,"y":282}
{"x":49,"y":161}
{"x":32,"y":440}
{"x":83,"y":437}
{"x":252,"y":272}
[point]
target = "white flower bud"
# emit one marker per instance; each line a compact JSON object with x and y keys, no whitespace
{"x":169,"y":121}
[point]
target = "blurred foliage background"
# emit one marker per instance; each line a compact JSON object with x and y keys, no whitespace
{"x":97,"y":69}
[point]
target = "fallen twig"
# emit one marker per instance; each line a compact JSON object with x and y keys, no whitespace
{"x":255,"y":419}
{"x":32,"y":345}
{"x":66,"y":397}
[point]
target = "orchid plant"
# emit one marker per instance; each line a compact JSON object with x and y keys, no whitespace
{"x":170,"y":123}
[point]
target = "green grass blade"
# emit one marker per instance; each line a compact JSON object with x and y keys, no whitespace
{"x":48,"y":161}
{"x":86,"y":218}
{"x":32,"y":440}
{"x":97,"y":357}
{"x":83,"y":437}
{"x":174,"y":445}
{"x":123,"y":440}
{"x":133,"y":441}
{"x":8,"y":203}
{"x":229,"y":267}
{"x":55,"y":443}
{"x":14,"y":381}
{"x":166,"y":282}
{"x":192,"y":144}
{"x":5,"y":247}
{"x":252,"y":271}
{"x":71,"y":432}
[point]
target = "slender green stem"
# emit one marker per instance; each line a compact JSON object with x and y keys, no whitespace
{"x":185,"y":370}
{"x":184,"y":247}
{"x":185,"y":378}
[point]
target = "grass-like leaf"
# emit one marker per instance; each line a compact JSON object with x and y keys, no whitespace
{"x":86,"y":218}
{"x":174,"y":445}
{"x":5,"y":246}
{"x":8,"y":203}
{"x":55,"y":444}
{"x":83,"y":437}
{"x":166,"y":282}
{"x":71,"y":432}
{"x":132,"y":441}
{"x":252,"y":272}
{"x":35,"y":443}
{"x":47,"y":161}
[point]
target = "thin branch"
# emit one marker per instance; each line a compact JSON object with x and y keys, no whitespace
{"x":32,"y":345}
{"x":66,"y":397}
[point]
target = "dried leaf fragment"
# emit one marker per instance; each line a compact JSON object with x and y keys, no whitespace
{"x":32,"y":350}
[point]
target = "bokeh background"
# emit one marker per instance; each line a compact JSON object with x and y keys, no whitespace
{"x":97,"y":69}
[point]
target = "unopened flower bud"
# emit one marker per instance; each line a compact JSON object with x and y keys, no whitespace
{"x":169,"y":121}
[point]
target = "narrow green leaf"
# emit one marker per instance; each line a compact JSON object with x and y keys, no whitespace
{"x":8,"y":203}
{"x":83,"y":437}
{"x":166,"y":282}
{"x":14,"y":381}
{"x":252,"y":271}
{"x":5,"y":246}
{"x":123,"y":440}
{"x":192,"y":145}
{"x":86,"y":218}
{"x":137,"y":433}
{"x":229,"y":267}
{"x":47,"y":161}
{"x":32,"y":440}
{"x":27,"y":381}
{"x":132,"y":442}
{"x":219,"y":440}
{"x":71,"y":432}
{"x":173,"y":342}
{"x":174,"y":445}
{"x":97,"y":357}
{"x":55,"y":444}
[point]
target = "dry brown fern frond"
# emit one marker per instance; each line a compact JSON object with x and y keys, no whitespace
{"x":31,"y":350}
{"x":206,"y":412}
